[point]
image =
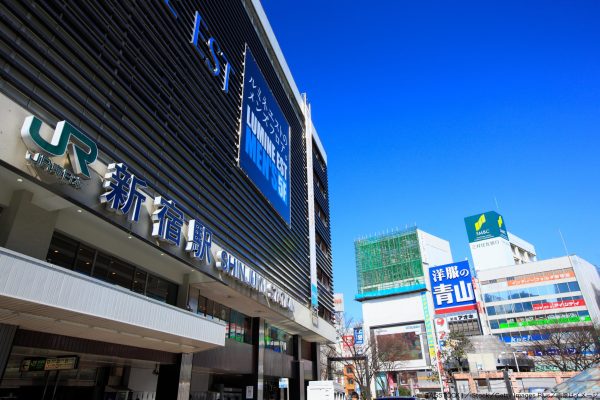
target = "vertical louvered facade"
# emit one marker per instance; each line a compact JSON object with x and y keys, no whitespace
{"x":195,"y":273}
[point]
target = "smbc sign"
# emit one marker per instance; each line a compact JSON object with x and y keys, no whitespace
{"x":485,"y":226}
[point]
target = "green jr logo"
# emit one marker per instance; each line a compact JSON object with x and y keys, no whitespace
{"x":81,"y":149}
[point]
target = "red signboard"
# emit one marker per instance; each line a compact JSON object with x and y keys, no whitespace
{"x":348,"y":341}
{"x":558,"y":304}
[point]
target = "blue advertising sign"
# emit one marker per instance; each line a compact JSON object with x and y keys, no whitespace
{"x":359,"y":336}
{"x":452,"y":287}
{"x":265,"y":140}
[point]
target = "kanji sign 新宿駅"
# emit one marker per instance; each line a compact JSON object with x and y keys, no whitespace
{"x":452,"y":288}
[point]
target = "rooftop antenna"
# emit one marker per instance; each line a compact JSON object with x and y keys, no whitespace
{"x":563,"y":242}
{"x":565,"y":246}
{"x":496,"y":201}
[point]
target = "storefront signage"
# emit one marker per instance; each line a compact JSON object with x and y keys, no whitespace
{"x":452,"y":288}
{"x":284,"y":383}
{"x":559,"y":304}
{"x":66,"y":139}
{"x":547,"y":320}
{"x":265,"y":140}
{"x":485,"y":226}
{"x":442,"y":331}
{"x":49,"y":364}
{"x":525,"y":338}
{"x":123,"y":195}
{"x":348,"y":341}
{"x":549,"y":276}
{"x":462,"y":317}
{"x":235,"y":268}
{"x":207,"y":47}
{"x":359,"y":335}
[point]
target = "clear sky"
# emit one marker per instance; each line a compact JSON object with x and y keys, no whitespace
{"x":430,"y":110}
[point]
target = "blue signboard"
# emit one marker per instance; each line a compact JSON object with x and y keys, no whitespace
{"x":358,"y":336}
{"x":265,"y":140}
{"x":452,"y":287}
{"x":525,"y":338}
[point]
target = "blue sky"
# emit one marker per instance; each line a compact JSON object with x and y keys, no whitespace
{"x":430,"y":110}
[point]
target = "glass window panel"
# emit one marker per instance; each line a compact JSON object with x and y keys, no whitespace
{"x":574,"y":286}
{"x":217,"y":310}
{"x":121,"y":274}
{"x":85,"y":259}
{"x":248,"y":330}
{"x":157,"y":288}
{"x":527,"y":306}
{"x":62,"y":251}
{"x":518,"y":307}
{"x":563,"y":287}
{"x":491,"y":310}
{"x":102,"y":267}
{"x":139,"y":281}
{"x":201,"y":305}
{"x":210,"y":306}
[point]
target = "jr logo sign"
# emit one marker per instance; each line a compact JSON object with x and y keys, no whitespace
{"x":81,"y":149}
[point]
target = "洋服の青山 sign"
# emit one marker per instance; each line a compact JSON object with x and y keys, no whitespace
{"x":265,"y":140}
{"x":452,"y":288}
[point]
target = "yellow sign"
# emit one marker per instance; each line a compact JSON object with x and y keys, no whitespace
{"x":480,"y":222}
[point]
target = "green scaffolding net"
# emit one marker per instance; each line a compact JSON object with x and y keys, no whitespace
{"x":389,"y":261}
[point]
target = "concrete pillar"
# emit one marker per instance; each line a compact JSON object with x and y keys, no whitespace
{"x":183,"y":293}
{"x":297,"y":382}
{"x":7,"y":335}
{"x":27,"y":228}
{"x":316,"y":356}
{"x":258,"y":357}
{"x":174,"y":379}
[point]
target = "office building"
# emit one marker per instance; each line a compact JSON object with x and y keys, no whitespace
{"x":164,"y":226}
{"x":554,"y":293}
{"x":492,"y":245}
{"x":393,"y":289}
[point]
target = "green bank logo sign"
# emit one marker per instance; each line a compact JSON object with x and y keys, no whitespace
{"x":485,"y":226}
{"x":81,"y":150}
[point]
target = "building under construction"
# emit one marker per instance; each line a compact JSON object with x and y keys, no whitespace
{"x":396,"y":262}
{"x":391,"y":272}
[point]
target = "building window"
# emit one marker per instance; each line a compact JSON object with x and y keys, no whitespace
{"x":278,"y":340}
{"x":238,"y":326}
{"x":68,"y":253}
{"x":322,"y":245}
{"x":321,"y":214}
{"x":320,"y":186}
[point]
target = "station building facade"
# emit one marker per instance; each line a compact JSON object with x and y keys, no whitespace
{"x":164,"y":215}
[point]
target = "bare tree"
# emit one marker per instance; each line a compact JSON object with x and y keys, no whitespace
{"x":455,"y":350}
{"x":572,"y":348}
{"x":368,"y":361}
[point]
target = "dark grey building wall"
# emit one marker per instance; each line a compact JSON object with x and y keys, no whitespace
{"x":126,"y":74}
